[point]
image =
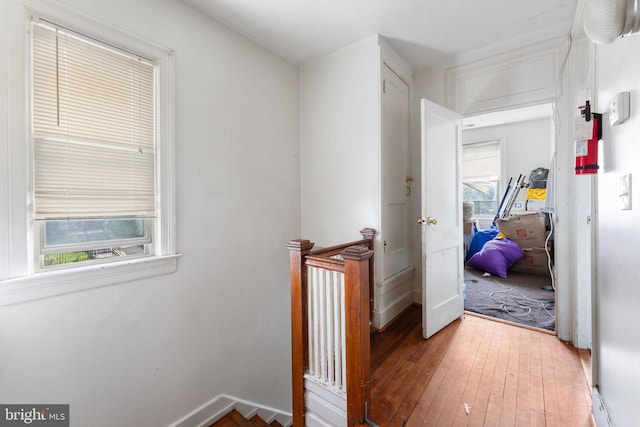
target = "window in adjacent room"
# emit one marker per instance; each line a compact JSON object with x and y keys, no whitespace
{"x":94,"y":150}
{"x":481,"y":177}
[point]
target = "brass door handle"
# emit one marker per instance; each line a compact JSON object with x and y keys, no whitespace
{"x":429,"y":220}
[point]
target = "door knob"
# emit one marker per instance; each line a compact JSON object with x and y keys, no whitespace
{"x":429,"y":220}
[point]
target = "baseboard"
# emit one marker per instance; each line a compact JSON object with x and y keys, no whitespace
{"x":392,"y":282}
{"x":383,"y":317}
{"x":391,"y":288}
{"x":599,"y":410}
{"x":210,"y":412}
{"x":323,"y":406}
{"x":417,"y":296}
{"x":221,"y":405}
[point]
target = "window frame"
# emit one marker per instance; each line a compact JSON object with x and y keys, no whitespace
{"x":19,"y":279}
{"x":478,"y":215}
{"x":92,"y":246}
{"x":129,"y":76}
{"x":499,"y":180}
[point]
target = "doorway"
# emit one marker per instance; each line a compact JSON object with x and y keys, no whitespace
{"x":500,"y":147}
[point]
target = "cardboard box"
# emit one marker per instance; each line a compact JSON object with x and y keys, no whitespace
{"x":518,"y":205}
{"x":466,"y":227}
{"x":535,"y":205}
{"x":527,"y":230}
{"x":534,"y":261}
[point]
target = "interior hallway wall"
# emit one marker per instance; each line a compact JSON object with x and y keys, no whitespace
{"x":146,"y":353}
{"x":526,"y":145}
{"x":618,"y":293}
{"x":340,"y":144}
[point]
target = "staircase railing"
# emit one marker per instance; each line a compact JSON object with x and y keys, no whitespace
{"x":330,"y":318}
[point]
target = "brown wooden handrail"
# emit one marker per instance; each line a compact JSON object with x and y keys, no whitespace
{"x":357,"y":266}
{"x":325,"y":263}
{"x":367,"y":240}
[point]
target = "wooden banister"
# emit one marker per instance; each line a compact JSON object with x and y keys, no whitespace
{"x":357,"y":331}
{"x":326,"y":263}
{"x":367,"y":240}
{"x":298,"y":250}
{"x":368,"y":234}
{"x":355,"y":265}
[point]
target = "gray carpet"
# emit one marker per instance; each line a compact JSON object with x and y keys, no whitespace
{"x":518,"y":298}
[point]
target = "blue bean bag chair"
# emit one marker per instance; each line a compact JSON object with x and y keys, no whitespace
{"x":480,"y":237}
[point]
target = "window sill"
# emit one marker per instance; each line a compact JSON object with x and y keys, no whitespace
{"x":61,"y":282}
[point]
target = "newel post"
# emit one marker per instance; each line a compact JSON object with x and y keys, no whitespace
{"x":368,"y":234}
{"x":356,"y":274}
{"x":298,"y":250}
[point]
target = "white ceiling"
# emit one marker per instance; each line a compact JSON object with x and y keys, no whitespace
{"x":424,"y":32}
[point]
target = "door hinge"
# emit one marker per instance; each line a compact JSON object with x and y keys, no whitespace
{"x":385,"y":246}
{"x":384,"y":86}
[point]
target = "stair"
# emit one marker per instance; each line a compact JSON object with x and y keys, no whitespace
{"x":235,"y":419}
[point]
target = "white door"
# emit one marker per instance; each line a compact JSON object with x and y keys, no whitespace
{"x":395,"y":232}
{"x":442,"y":252}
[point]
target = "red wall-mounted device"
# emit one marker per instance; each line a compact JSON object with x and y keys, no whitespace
{"x":587,"y":149}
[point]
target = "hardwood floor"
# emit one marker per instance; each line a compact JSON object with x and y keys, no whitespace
{"x":235,"y":419}
{"x":476,"y":372}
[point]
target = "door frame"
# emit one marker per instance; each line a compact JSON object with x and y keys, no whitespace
{"x":563,"y":270}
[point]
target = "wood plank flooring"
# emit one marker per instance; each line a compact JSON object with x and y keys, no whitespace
{"x":476,"y":372}
{"x":235,"y":419}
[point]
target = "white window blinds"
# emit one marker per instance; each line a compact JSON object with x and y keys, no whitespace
{"x":93,"y":128}
{"x":481,"y":162}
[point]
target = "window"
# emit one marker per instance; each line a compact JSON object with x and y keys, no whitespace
{"x":89,"y":186}
{"x":481,"y":177}
{"x":94,"y":149}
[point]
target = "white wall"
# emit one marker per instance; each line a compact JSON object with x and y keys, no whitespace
{"x":340,"y":144}
{"x":147,"y":353}
{"x":618,"y":289}
{"x":525,"y":146}
{"x":341,"y":158}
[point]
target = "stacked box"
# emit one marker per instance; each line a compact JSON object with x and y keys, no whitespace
{"x":529,"y":232}
{"x":467,"y":217}
{"x":534,"y":261}
{"x":467,"y":227}
{"x":536,"y":199}
{"x":534,"y":205}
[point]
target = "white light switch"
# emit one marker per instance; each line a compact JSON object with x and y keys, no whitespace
{"x":625,"y":192}
{"x":619,"y":109}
